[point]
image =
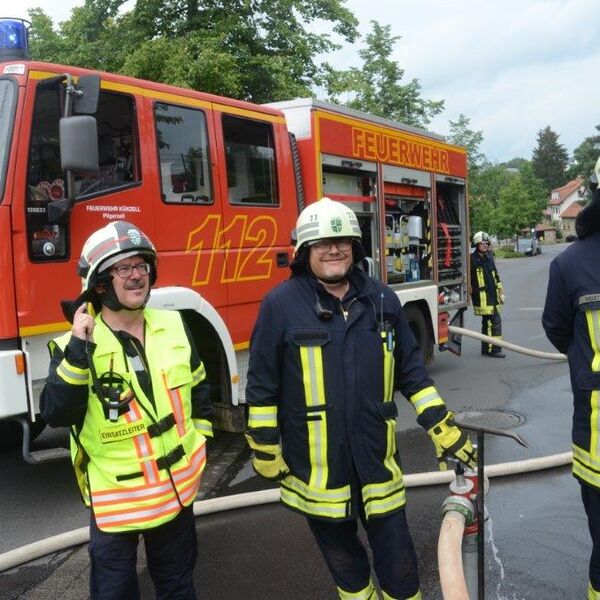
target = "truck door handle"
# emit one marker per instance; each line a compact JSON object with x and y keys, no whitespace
{"x":283,"y":259}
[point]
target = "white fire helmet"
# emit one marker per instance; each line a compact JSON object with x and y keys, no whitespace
{"x":326,"y":219}
{"x":109,"y":245}
{"x":481,"y":236}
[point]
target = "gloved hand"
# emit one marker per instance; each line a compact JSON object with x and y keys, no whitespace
{"x":267,"y":460}
{"x":501,"y":296}
{"x":448,"y":439}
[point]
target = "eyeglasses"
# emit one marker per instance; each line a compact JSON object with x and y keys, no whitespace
{"x":322,"y":246}
{"x":125,"y":271}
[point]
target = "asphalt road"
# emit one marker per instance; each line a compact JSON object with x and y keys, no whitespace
{"x":539,"y":546}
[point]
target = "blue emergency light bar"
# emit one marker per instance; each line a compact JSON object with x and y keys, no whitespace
{"x":13,"y":39}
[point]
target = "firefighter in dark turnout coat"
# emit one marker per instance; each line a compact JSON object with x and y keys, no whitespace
{"x":327,"y":348}
{"x":487,"y":294}
{"x":571,"y":320}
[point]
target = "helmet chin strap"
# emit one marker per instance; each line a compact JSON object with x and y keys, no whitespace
{"x":110,"y":300}
{"x":334,"y":280}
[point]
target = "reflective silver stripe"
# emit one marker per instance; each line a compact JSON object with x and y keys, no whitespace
{"x":99,"y":498}
{"x":198,"y":375}
{"x":366,"y":593}
{"x":382,"y":489}
{"x":417,"y":596}
{"x":376,"y":507}
{"x":593,"y":323}
{"x":308,"y":229}
{"x":145,"y":513}
{"x":328,"y":495}
{"x":313,"y":508}
{"x":203,"y":426}
{"x":431,"y":398}
{"x":314,"y":393}
{"x":586,"y":458}
{"x":262,"y":416}
{"x":143,"y":447}
{"x":151,"y":490}
{"x":71,"y":374}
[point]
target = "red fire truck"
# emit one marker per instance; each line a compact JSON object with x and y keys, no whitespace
{"x":217,"y":185}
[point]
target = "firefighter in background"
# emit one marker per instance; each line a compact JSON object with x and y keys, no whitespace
{"x":571,"y":319}
{"x":131,"y":388}
{"x":327,"y":348}
{"x":487,"y":294}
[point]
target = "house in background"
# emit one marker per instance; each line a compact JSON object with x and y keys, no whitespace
{"x":547,"y":233}
{"x":561,"y":200}
{"x":567,"y":218}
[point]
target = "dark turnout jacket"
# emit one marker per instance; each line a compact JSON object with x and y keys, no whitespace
{"x":571,"y":320}
{"x":320,"y":382}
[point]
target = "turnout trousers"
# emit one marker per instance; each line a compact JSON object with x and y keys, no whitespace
{"x":591,"y":503}
{"x":394,"y":556}
{"x":491,"y":325}
{"x":171,"y":551}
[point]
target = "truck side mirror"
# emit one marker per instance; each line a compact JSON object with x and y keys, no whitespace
{"x":78,"y":154}
{"x":79,"y":144}
{"x":85,"y":101}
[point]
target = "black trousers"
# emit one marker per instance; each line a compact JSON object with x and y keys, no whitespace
{"x":591,"y":503}
{"x":491,"y":325}
{"x":171,"y":550}
{"x":394,"y":556}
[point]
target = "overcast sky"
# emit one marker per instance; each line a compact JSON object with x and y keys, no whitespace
{"x":511,"y":66}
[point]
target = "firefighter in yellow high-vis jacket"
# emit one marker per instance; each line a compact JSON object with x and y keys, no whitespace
{"x":329,"y":347}
{"x":130,"y":386}
{"x":487,"y":293}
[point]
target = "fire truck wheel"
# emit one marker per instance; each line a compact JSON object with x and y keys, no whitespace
{"x":421,"y":331}
{"x":11,"y":432}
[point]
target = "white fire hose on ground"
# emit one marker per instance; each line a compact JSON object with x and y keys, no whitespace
{"x":57,"y":543}
{"x":450,"y":528}
{"x":504,"y":344}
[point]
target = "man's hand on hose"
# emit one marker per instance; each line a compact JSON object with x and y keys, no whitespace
{"x":449,"y":440}
{"x":267,"y":460}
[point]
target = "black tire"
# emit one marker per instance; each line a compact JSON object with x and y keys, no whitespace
{"x":421,"y":330}
{"x":11,"y":433}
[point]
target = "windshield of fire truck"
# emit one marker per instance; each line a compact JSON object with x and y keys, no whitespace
{"x":8,"y":92}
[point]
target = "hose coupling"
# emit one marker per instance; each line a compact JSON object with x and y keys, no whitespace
{"x":461,"y":505}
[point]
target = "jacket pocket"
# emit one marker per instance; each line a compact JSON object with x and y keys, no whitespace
{"x":178,"y":375}
{"x":309,"y":338}
{"x":387,"y":410}
{"x":588,"y":380}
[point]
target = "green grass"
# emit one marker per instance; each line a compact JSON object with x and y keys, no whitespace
{"x":507,"y":252}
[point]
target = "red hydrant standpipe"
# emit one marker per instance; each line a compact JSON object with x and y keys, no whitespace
{"x":475,"y":491}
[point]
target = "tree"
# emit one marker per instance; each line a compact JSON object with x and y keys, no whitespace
{"x":485,"y":185}
{"x":260,"y":51}
{"x":376,"y":87}
{"x":550,"y":159}
{"x":462,"y":135}
{"x":585,"y":157}
{"x":520,"y":203}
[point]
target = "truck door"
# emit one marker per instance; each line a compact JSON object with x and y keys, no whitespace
{"x":189,"y":202}
{"x":46,"y":254}
{"x":354,"y":182}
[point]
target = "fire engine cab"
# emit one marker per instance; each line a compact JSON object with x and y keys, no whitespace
{"x":217,"y":185}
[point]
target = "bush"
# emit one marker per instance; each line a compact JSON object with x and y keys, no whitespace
{"x":559,"y":234}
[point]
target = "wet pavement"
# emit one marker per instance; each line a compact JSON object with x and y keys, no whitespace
{"x":537,"y":543}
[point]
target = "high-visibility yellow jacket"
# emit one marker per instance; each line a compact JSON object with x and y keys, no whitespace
{"x":323,"y":387}
{"x":485,"y":284}
{"x":138,"y":472}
